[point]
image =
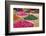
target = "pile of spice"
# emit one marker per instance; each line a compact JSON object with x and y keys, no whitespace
{"x":16,"y":17}
{"x":21,"y":12}
{"x":23,"y":23}
{"x":31,"y":17}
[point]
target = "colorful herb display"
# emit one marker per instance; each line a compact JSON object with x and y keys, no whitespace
{"x":23,"y":17}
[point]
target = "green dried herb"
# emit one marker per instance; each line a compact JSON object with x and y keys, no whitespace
{"x":31,"y":17}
